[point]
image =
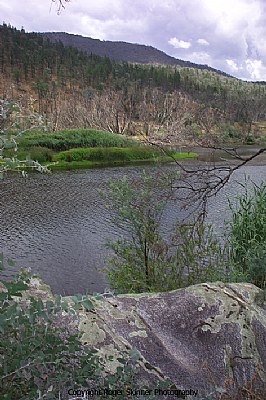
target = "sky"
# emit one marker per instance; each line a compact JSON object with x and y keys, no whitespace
{"x":229,"y":35}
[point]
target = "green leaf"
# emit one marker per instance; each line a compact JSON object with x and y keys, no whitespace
{"x":65,"y":305}
{"x":40,"y":306}
{"x":87,"y":304}
{"x":58,"y":301}
{"x":75,"y":299}
{"x":49,"y":306}
{"x":15,"y":288}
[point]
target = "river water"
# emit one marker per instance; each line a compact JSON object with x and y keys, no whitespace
{"x":58,"y":224}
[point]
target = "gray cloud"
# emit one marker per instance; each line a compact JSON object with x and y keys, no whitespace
{"x":225,"y":34}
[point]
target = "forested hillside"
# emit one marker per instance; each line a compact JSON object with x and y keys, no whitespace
{"x":76,"y":89}
{"x":122,"y":51}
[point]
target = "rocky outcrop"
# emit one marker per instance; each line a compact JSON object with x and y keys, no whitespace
{"x":204,"y":338}
{"x":208,"y":339}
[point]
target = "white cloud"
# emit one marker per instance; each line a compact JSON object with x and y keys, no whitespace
{"x":230,"y":15}
{"x":199,"y":57}
{"x":179,"y":44}
{"x":256,"y":69}
{"x":204,"y":42}
{"x":233,"y":65}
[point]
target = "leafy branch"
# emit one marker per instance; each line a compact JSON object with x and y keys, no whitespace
{"x":14,"y":122}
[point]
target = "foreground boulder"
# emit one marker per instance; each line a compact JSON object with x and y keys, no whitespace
{"x":207,"y":338}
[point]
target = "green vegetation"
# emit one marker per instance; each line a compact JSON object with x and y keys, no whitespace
{"x":108,"y":154}
{"x":98,"y":148}
{"x":144,"y":260}
{"x":41,"y":353}
{"x":41,"y":350}
{"x":40,"y":154}
{"x":14,"y":122}
{"x":48,"y":65}
{"x":72,"y":138}
{"x":248,"y":234}
{"x":148,"y":260}
{"x":112,"y":155}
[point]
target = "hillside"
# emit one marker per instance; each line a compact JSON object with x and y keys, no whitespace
{"x":74,"y":89}
{"x":123,"y":51}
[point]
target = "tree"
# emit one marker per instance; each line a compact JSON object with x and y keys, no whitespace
{"x":137,"y":260}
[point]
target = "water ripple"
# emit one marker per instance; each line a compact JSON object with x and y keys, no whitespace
{"x":57,"y":225}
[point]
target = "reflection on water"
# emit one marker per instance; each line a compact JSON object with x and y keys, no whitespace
{"x":57,"y":225}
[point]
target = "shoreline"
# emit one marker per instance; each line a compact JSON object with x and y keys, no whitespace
{"x":65,"y":165}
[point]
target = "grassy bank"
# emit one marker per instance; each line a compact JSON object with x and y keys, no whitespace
{"x":72,"y":138}
{"x":89,"y":157}
{"x":85,"y":148}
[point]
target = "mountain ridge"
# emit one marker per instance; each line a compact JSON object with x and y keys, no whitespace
{"x":123,"y":51}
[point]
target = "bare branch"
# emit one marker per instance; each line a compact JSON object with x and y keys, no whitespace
{"x":199,"y":182}
{"x":60,"y":4}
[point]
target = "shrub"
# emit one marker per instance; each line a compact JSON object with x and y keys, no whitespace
{"x":256,"y":265}
{"x":41,"y":154}
{"x":144,"y":260}
{"x":230,"y":132}
{"x":13,"y":123}
{"x":247,"y":233}
{"x":41,"y":355}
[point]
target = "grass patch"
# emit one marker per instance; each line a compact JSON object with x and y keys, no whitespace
{"x":85,"y":148}
{"x":108,"y":154}
{"x":87,"y":157}
{"x":73,"y":138}
{"x":189,"y":154}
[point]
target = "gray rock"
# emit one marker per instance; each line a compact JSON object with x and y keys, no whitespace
{"x":205,"y":337}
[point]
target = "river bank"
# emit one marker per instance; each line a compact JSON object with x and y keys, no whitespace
{"x":86,"y":148}
{"x":117,"y":157}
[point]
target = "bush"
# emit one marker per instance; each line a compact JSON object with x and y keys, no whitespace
{"x":13,"y":123}
{"x":256,"y":265}
{"x":41,"y":154}
{"x":230,"y":132}
{"x":41,"y":355}
{"x":247,"y":233}
{"x":144,"y":261}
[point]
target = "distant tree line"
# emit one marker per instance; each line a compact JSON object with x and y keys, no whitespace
{"x":122,"y":96}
